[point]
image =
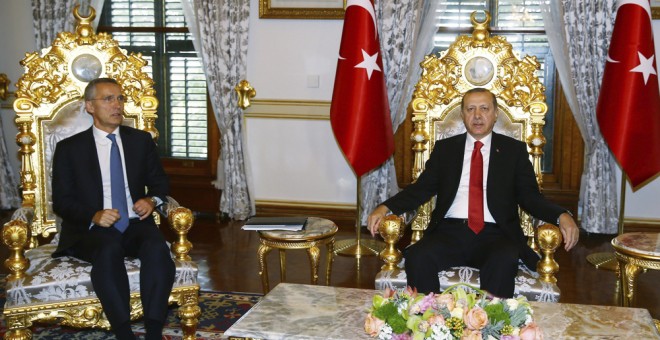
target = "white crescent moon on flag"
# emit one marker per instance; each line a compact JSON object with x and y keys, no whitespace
{"x":610,"y":60}
{"x":641,"y":3}
{"x":366,"y":4}
{"x":644,"y":4}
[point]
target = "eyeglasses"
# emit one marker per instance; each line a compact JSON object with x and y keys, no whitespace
{"x":111,"y":99}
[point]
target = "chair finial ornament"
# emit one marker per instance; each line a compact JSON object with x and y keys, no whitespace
{"x":480,"y":32}
{"x":84,"y":29}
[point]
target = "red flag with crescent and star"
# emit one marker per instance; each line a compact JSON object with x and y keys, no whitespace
{"x":359,"y":113}
{"x":628,"y":108}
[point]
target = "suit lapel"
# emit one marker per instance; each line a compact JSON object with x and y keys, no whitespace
{"x":495,"y":163}
{"x":93,"y":163}
{"x":456,"y":157}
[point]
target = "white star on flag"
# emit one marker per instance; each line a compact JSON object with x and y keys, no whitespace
{"x":369,"y":63}
{"x":645,"y":66}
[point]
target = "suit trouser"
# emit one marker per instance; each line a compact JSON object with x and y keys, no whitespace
{"x":453,"y":244}
{"x":106,"y":248}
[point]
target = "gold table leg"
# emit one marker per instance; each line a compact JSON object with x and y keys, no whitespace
{"x":282,"y":265}
{"x":628,"y":282}
{"x":314,"y":254}
{"x":329,"y":257}
{"x":263,"y":266}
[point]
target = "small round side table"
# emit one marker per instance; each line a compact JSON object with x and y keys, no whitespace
{"x":317,"y":231}
{"x":635,"y":252}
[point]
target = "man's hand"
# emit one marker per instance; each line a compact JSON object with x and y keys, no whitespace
{"x":106,"y":218}
{"x":569,"y":230}
{"x":375,"y":217}
{"x":143,"y":207}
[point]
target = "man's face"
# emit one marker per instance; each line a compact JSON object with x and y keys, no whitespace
{"x":479,"y":115}
{"x":106,"y":107}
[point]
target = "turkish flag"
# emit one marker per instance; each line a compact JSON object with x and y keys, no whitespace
{"x":629,"y":103}
{"x":360,"y":113}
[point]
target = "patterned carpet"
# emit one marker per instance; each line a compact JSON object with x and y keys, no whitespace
{"x":219,"y":311}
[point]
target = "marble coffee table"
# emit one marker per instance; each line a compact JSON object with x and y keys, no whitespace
{"x":297,"y":311}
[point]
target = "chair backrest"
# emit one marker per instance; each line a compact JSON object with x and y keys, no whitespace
{"x":49,"y":106}
{"x":479,"y":60}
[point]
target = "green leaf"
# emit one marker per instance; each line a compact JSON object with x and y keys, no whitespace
{"x":497,"y":313}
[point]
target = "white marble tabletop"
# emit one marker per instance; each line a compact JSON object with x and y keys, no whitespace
{"x":297,"y":311}
{"x":638,"y":243}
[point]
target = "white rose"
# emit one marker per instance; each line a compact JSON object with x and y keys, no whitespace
{"x":457,"y":312}
{"x":512,"y":303}
{"x":528,"y":319}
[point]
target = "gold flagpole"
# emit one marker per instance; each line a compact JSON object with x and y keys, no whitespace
{"x":358,"y":247}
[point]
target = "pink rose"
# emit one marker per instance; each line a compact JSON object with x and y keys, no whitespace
{"x":531,"y":332}
{"x":471,"y":334}
{"x":436,"y":320}
{"x":372,"y":325}
{"x":476,"y":318}
{"x":388,"y":293}
{"x":445,"y":300}
{"x":412,"y":292}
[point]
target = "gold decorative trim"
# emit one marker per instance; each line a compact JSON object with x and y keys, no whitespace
{"x":634,"y":220}
{"x":655,"y":12}
{"x":289,"y":109}
{"x":267,"y":11}
{"x":245,"y":93}
{"x":307,"y":204}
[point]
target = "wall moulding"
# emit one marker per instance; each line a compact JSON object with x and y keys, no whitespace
{"x":301,"y":9}
{"x":289,"y":109}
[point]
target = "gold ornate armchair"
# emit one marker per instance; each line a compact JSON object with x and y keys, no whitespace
{"x":479,"y":60}
{"x":49,"y":107}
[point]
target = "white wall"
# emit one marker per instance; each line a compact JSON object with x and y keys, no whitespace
{"x":294,"y":158}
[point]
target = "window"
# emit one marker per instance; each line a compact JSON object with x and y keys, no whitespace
{"x":157,"y":29}
{"x":521,"y":22}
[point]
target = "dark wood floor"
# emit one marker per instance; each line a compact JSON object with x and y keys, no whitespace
{"x":227,"y":257}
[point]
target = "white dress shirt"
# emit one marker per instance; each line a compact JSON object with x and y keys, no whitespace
{"x":103,"y":146}
{"x":459,"y":208}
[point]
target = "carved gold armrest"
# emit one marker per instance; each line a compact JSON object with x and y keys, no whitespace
{"x":16,"y":234}
{"x":391,"y":229}
{"x":549,"y":238}
{"x":181,"y":220}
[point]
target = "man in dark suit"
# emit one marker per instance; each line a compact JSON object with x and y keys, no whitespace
{"x":485,"y":234}
{"x":97,"y":229}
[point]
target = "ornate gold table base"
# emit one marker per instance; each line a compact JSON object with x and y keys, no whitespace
{"x":635,"y":253}
{"x":317,"y":231}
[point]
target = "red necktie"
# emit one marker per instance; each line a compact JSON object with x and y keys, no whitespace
{"x":476,"y":196}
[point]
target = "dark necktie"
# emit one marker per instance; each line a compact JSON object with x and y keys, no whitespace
{"x":117,"y":185}
{"x":476,"y":196}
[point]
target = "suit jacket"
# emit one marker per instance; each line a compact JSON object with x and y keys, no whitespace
{"x":77,"y":189}
{"x":511,"y":183}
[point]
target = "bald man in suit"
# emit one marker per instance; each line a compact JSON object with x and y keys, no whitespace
{"x":508,"y":182}
{"x":91,"y":219}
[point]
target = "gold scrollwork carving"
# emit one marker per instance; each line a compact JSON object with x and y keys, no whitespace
{"x":391,"y":229}
{"x":181,"y":220}
{"x":548,"y":238}
{"x":15,"y":235}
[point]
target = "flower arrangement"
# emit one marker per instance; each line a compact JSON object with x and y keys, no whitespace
{"x":457,"y":313}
